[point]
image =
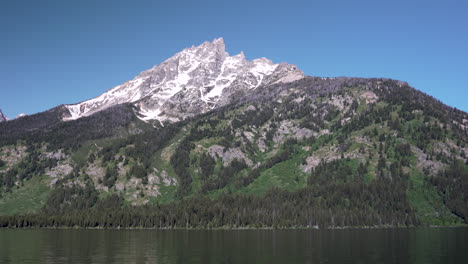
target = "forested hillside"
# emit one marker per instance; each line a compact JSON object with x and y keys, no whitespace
{"x":316,"y":152}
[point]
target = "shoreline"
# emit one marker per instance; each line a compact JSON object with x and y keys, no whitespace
{"x":243,"y":228}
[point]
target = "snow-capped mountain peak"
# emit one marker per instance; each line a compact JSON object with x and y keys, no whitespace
{"x":191,"y":82}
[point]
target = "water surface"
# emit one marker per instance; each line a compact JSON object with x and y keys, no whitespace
{"x":421,"y":245}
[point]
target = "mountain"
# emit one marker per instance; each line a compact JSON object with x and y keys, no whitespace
{"x":242,"y":144}
{"x":191,"y":82}
{"x":2,"y":116}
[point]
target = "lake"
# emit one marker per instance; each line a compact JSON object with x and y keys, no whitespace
{"x":412,"y":245}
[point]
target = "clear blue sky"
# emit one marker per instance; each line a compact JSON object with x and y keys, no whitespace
{"x":55,"y":52}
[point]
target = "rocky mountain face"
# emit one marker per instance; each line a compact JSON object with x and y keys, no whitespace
{"x":264,"y":146}
{"x":193,"y":81}
{"x":2,"y":116}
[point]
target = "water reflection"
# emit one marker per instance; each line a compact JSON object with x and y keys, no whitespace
{"x":435,"y":245}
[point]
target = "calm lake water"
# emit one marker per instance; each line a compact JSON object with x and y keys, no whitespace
{"x":424,"y":245}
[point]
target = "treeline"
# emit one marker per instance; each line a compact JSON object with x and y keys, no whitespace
{"x":331,"y":205}
{"x":342,"y":200}
{"x":336,"y":196}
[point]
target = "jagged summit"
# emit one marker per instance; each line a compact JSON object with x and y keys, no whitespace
{"x":191,"y":82}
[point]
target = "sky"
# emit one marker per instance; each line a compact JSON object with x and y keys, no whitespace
{"x":67,"y":51}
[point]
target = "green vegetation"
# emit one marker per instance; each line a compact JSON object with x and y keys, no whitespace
{"x":427,"y":202}
{"x":26,"y":199}
{"x":285,"y":175}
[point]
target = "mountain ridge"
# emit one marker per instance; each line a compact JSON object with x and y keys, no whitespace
{"x":199,"y":78}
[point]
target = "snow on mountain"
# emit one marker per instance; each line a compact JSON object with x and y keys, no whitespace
{"x":193,"y":81}
{"x":20,"y":115}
